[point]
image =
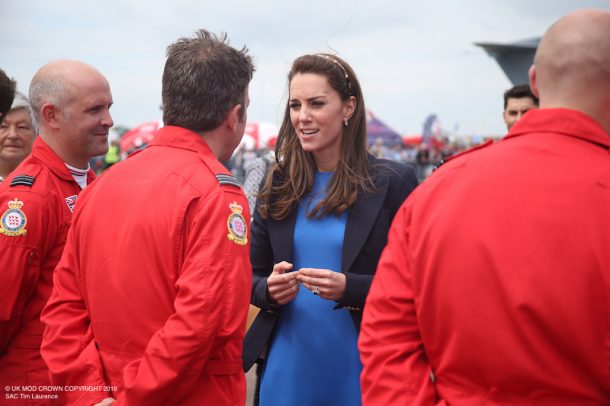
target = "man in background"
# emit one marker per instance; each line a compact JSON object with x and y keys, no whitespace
{"x":493,"y":288}
{"x":71,"y":102}
{"x":7,"y":93}
{"x":151,"y":295}
{"x":518,"y":100}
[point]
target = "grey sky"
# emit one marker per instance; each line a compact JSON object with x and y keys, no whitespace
{"x":412,"y":57}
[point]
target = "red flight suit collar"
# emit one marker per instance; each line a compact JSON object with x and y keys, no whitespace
{"x":180,"y":137}
{"x":564,"y":121}
{"x":44,"y":153}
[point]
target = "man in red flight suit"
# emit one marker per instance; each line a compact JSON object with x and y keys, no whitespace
{"x":151,"y":295}
{"x":494,"y":286}
{"x":71,"y":102}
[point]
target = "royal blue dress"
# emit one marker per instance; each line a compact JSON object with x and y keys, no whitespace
{"x":313,"y":358}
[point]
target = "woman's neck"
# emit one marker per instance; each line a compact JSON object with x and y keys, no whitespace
{"x":326,"y":162}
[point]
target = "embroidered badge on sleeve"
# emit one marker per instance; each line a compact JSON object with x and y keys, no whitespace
{"x":238,"y":231}
{"x":13,"y":220}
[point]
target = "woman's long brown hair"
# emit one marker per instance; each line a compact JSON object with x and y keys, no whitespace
{"x":292,"y":174}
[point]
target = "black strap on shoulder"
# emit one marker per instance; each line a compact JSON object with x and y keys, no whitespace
{"x":23,"y":180}
{"x":227,"y":180}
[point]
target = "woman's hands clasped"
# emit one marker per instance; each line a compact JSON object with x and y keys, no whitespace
{"x":283,"y":286}
{"x":328,"y":284}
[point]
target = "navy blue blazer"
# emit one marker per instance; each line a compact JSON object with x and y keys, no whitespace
{"x":366,"y":232}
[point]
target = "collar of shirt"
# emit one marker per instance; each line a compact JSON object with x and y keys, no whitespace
{"x":179,"y":137}
{"x":44,"y":153}
{"x":564,"y":121}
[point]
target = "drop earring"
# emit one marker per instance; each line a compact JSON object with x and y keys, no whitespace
{"x":346,"y":122}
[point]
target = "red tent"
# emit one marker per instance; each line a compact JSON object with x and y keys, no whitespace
{"x":412,"y":140}
{"x":139,"y":135}
{"x":415,"y":140}
{"x":260,"y":133}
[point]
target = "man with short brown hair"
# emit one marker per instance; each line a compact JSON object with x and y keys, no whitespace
{"x":518,"y":100}
{"x":152,"y":292}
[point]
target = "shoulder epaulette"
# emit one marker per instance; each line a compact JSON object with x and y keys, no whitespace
{"x":475,"y":148}
{"x":227,"y":180}
{"x":23,"y":180}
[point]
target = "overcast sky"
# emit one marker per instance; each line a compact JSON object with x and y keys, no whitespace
{"x":412,"y":57}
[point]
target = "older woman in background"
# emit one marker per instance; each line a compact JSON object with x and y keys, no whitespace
{"x":321,"y":223}
{"x":17,"y":133}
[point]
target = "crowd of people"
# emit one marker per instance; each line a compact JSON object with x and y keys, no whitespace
{"x":423,"y":157}
{"x":487,"y":283}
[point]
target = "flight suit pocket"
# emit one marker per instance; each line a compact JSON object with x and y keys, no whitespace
{"x":17,"y":282}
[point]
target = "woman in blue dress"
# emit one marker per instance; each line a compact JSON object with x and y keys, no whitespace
{"x":320,"y":225}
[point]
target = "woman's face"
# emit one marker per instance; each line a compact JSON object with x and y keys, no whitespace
{"x":317,"y":114}
{"x":16,"y":135}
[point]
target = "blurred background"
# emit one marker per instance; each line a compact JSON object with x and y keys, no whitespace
{"x":424,"y":76}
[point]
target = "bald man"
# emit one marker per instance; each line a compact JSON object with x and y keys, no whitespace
{"x":71,"y":102}
{"x":502,"y":296}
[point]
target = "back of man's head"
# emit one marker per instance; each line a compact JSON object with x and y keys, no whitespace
{"x":572,"y":65}
{"x":203,"y":79}
{"x":7,"y":93}
{"x":47,"y":86}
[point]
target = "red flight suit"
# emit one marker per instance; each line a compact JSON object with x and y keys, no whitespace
{"x":494,"y":287}
{"x":36,"y":203}
{"x":153,"y":289}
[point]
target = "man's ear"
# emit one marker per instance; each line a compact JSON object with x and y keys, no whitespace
{"x":234,"y":117}
{"x":533,"y":84}
{"x":49,"y":114}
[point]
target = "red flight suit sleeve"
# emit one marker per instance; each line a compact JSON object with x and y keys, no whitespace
{"x":68,"y":347}
{"x":209,"y":300}
{"x":395,"y":367}
{"x":22,"y":238}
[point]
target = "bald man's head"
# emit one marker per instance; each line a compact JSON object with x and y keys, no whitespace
{"x":57,"y":83}
{"x":71,"y":101}
{"x":572,"y":63}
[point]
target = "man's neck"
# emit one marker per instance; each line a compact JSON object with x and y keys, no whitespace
{"x":214,"y":141}
{"x":62,"y":153}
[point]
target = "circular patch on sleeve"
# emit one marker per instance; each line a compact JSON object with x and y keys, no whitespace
{"x":238,"y":230}
{"x":13,"y":221}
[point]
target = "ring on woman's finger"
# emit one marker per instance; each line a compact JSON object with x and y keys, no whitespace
{"x":315,"y":290}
